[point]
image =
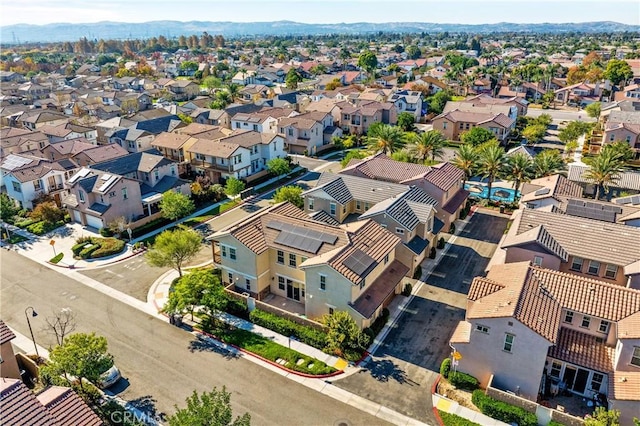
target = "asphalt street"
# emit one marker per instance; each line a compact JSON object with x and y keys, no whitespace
{"x":162,"y":364}
{"x":404,"y":368}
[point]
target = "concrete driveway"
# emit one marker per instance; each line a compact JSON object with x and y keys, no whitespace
{"x":403,"y":369}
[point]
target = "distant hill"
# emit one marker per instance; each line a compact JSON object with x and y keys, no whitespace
{"x":119,"y":30}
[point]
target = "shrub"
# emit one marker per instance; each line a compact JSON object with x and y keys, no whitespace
{"x":237,"y":308}
{"x":376,"y":327}
{"x":452,"y":230}
{"x":453,"y":420}
{"x":308,"y":335}
{"x":107,"y":247}
{"x":406,"y":291}
{"x":57,"y":258}
{"x":441,"y":243}
{"x":502,"y":411}
{"x":463,"y":381}
{"x":432,"y":253}
{"x":418,"y":273}
{"x":42,"y":227}
{"x":445,"y":367}
{"x":106,"y":232}
{"x":85,"y":253}
{"x":555,"y":423}
{"x":23,"y":223}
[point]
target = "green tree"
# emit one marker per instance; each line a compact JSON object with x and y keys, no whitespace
{"x":547,"y":163}
{"x":534,"y":133}
{"x":352,"y":155}
{"x":47,"y":211}
{"x":175,"y":205}
{"x":211,"y":83}
{"x":291,"y":193}
{"x":343,"y":333}
{"x":519,"y":169}
{"x":477,"y":136}
{"x":543,"y":119}
{"x":427,"y":145}
{"x":490,"y":162}
{"x":368,"y":61}
{"x":191,"y":291}
{"x":413,"y":52}
{"x":574,"y":130}
{"x":82,"y":355}
{"x":466,"y":159}
{"x":292,"y":79}
{"x":603,"y":417}
{"x":385,"y":138}
{"x":333,"y":84}
{"x":174,"y":248}
{"x":438,"y":101}
{"x":185,"y":118}
{"x":208,"y":409}
{"x":189,"y":66}
{"x":604,"y":169}
{"x":234,"y":186}
{"x":618,"y":71}
{"x":406,"y":121}
{"x":593,"y":109}
{"x":278,"y":166}
{"x":622,"y":149}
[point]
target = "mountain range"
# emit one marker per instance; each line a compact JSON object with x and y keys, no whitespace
{"x":22,"y":33}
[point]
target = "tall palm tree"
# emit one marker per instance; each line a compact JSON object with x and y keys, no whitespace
{"x":490,"y":162}
{"x":519,"y":169}
{"x":466,"y":159}
{"x":427,"y":144}
{"x":233,"y":90}
{"x":604,"y":169}
{"x":547,"y":162}
{"x":385,"y":138}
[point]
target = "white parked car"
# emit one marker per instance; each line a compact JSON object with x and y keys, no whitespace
{"x":109,"y":377}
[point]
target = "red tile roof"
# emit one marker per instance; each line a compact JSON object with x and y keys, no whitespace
{"x":20,"y":406}
{"x":583,"y":349}
{"x":67,"y":407}
{"x":6,"y":335}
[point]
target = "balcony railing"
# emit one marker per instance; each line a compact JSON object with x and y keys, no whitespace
{"x":214,"y":166}
{"x":56,"y":187}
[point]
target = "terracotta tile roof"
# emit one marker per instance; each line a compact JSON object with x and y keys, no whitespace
{"x":540,"y":236}
{"x":629,"y":327}
{"x":6,"y":335}
{"x":245,"y":138}
{"x":624,"y":385}
{"x":557,"y":184}
{"x":462,"y":333}
{"x":444,"y":176}
{"x":456,"y":201}
{"x":170,"y":140}
{"x":381,"y":167}
{"x":20,"y":406}
{"x":67,"y":407}
{"x":583,"y":349}
{"x":213,"y":148}
{"x":378,"y":291}
{"x":626,"y":179}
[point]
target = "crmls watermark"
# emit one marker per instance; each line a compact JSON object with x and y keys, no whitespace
{"x":126,"y":416}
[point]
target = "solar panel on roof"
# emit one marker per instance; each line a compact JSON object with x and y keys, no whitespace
{"x":542,"y":191}
{"x":591,"y":213}
{"x":300,"y":238}
{"x":359,"y":262}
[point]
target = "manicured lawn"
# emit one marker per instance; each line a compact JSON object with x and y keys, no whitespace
{"x":16,"y":238}
{"x":229,"y":205}
{"x":57,"y":258}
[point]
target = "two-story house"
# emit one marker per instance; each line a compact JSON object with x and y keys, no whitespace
{"x":81,"y":151}
{"x":219,"y":160}
{"x":214,"y":117}
{"x":454,"y":123}
{"x":139,"y":136}
{"x":14,"y":140}
{"x":408,"y":101}
{"x":574,"y":334}
{"x":69,"y":131}
{"x":321,"y":268}
{"x":623,"y":126}
{"x":305,"y":133}
{"x":181,"y":90}
{"x":263,"y":121}
{"x":357,"y":118}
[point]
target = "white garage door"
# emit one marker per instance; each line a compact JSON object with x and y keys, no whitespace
{"x":77,"y":217}
{"x":94,"y":222}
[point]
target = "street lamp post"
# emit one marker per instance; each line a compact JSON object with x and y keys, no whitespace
{"x":33,"y":314}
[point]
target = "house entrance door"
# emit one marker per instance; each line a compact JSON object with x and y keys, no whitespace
{"x":581,"y":381}
{"x":295,"y":290}
{"x":569,"y":376}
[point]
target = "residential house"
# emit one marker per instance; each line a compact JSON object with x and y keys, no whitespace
{"x":356,"y":118}
{"x":68,"y":131}
{"x":455,"y":122}
{"x":11,"y":77}
{"x":625,"y":182}
{"x":244,"y":78}
{"x":138,"y":136}
{"x":408,"y":101}
{"x":319,"y":268}
{"x":34,"y":120}
{"x":10,"y":368}
{"x":219,"y":160}
{"x":173,"y":145}
{"x":623,"y":126}
{"x":578,"y":245}
{"x":181,"y":90}
{"x":305,"y":133}
{"x":14,"y":140}
{"x":443,"y":182}
{"x":263,"y":121}
{"x":581,"y":93}
{"x":520,"y":104}
{"x":573,"y":334}
{"x":630,"y":92}
{"x":213,"y":117}
{"x":547,"y":191}
{"x":27,"y":177}
{"x":487,"y":108}
{"x":253,"y":92}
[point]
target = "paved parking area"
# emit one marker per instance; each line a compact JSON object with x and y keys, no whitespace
{"x":404,"y":368}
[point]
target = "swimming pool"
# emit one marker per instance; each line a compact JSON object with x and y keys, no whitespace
{"x":505,"y":195}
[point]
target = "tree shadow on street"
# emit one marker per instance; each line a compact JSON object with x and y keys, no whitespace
{"x":384,"y":370}
{"x":147,"y":404}
{"x":207,"y":344}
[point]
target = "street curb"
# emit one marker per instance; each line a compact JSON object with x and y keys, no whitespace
{"x":436,"y":413}
{"x":133,"y":254}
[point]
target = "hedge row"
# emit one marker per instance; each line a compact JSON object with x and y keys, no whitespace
{"x":308,"y":335}
{"x":502,"y":411}
{"x":42,"y":227}
{"x":463,"y":381}
{"x":452,"y":420}
{"x":94,"y":248}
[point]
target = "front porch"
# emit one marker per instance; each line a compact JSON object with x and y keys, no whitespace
{"x":285,"y":304}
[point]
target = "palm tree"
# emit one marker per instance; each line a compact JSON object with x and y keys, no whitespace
{"x":604,"y":169}
{"x":427,"y":144}
{"x":519,"y":169}
{"x":547,"y":162}
{"x":385,"y":138}
{"x":233,"y":90}
{"x":466,"y":159}
{"x":490,"y":162}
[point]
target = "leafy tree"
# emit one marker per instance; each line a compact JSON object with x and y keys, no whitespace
{"x":438,"y":101}
{"x":413,"y":52}
{"x":543,"y":119}
{"x":211,"y":83}
{"x":333,"y":84}
{"x":385,"y":138}
{"x":368,"y":61}
{"x":604,"y":170}
{"x":603,"y":417}
{"x":573,"y":131}
{"x":406,"y":121}
{"x":490,"y":161}
{"x":618,"y":71}
{"x":427,"y":145}
{"x":208,"y":409}
{"x":477,"y":136}
{"x":190,"y":291}
{"x":519,"y":169}
{"x":534,"y":133}
{"x":48,"y":212}
{"x":346,"y":142}
{"x":466,"y":159}
{"x":8,"y":209}
{"x":343,"y":333}
{"x":234,"y":186}
{"x":292,"y":79}
{"x":189,"y":66}
{"x":621,"y":149}
{"x":404,"y":156}
{"x":291,"y":193}
{"x":278,"y":166}
{"x":174,"y":248}
{"x":185,"y":118}
{"x":547,"y":162}
{"x":82,"y":355}
{"x":593,"y":110}
{"x":352,"y":155}
{"x":175,"y":205}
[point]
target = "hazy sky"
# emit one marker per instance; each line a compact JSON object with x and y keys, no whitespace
{"x":327,"y":11}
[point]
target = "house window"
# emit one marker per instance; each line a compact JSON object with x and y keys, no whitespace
{"x":290,"y":132}
{"x":37,"y":185}
{"x":255,"y":127}
{"x":16,"y":187}
{"x":280,"y":257}
{"x":586,"y":321}
{"x":230,"y":276}
{"x":223,"y":249}
{"x":332,"y":209}
{"x":81,"y":196}
{"x":358,"y":205}
{"x":596,"y":382}
{"x":386,"y":259}
{"x":330,"y":310}
{"x":125,"y":195}
{"x":247,"y":283}
{"x":635,"y":358}
{"x":555,"y":369}
{"x":310,"y":203}
{"x":444,"y":125}
{"x":611,"y":271}
{"x":200,"y":156}
{"x":237,"y":125}
{"x":461,"y":126}
{"x":508,"y":342}
{"x":568,"y":317}
{"x":537,"y":261}
{"x":362,"y":284}
{"x":281,"y":283}
{"x":292,"y":260}
{"x":323,"y":282}
{"x":594,"y":267}
{"x":112,"y":194}
{"x":232,"y":253}
{"x":400,"y":231}
{"x":366,"y":206}
{"x":604,"y":326}
{"x":576,"y":264}
{"x":482,"y":328}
